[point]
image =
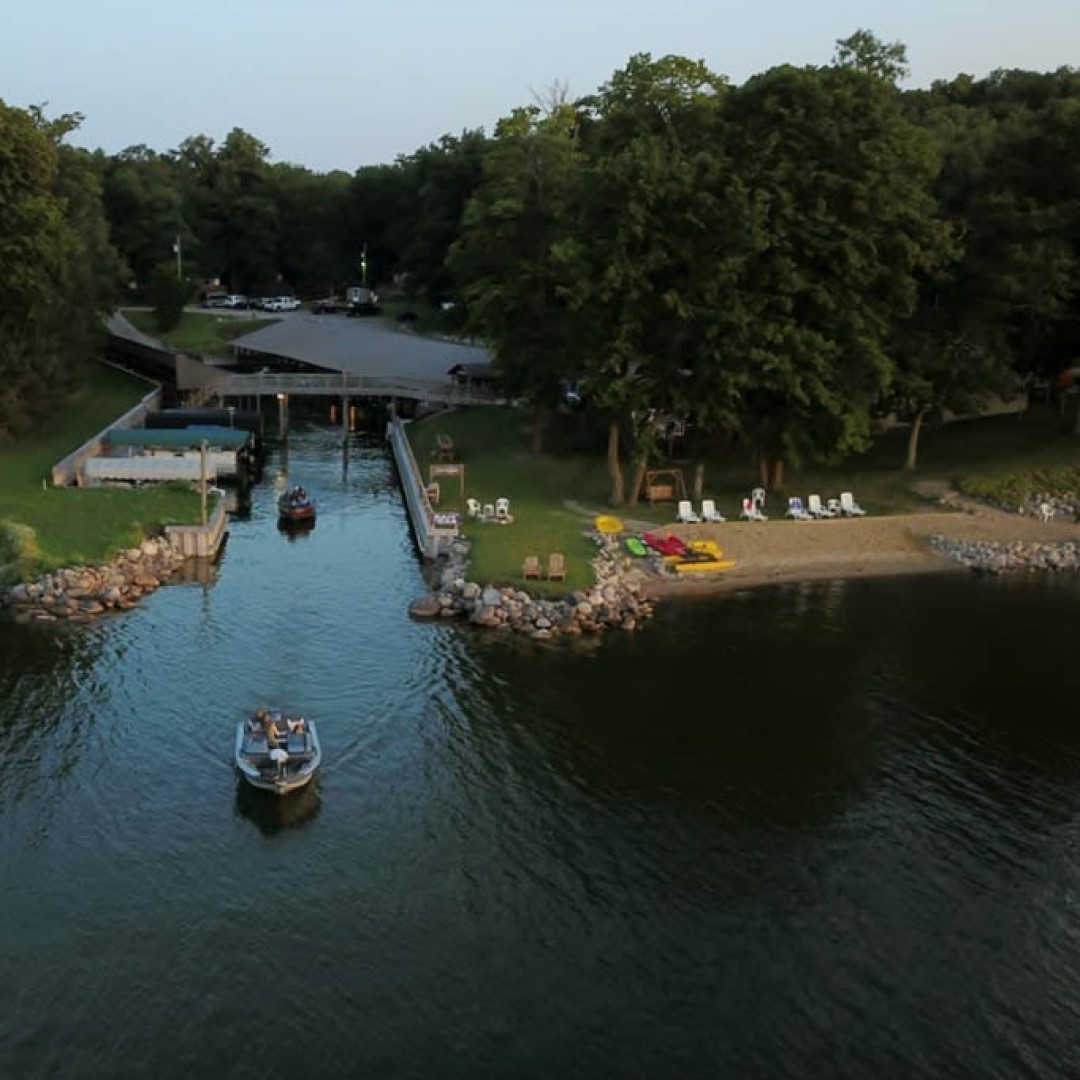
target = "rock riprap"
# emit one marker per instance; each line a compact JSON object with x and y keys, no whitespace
{"x":614,"y":602}
{"x":993,"y":557}
{"x":81,"y":593}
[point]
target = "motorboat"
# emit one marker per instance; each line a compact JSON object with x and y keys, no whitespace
{"x":295,"y":506}
{"x":280,"y":768}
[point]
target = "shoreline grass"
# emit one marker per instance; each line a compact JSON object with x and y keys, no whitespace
{"x":199,"y":332}
{"x":80,"y":526}
{"x":555,"y":496}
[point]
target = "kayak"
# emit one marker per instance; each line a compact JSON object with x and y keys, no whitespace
{"x":636,"y":547}
{"x":608,"y":523}
{"x":703,"y":566}
{"x":705,"y":555}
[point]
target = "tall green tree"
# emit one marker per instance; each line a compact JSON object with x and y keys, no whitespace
{"x":649,"y":204}
{"x":504,"y":261}
{"x":846,"y":225}
{"x":145,"y":204}
{"x":60,"y":274}
{"x":442,"y":177}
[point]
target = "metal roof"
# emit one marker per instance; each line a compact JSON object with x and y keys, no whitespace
{"x":179,"y":438}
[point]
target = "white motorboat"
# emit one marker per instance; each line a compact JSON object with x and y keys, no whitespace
{"x":280,"y":768}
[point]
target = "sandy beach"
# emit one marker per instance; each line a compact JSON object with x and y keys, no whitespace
{"x":779,"y":551}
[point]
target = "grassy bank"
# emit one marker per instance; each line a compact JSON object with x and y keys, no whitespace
{"x":81,"y":526}
{"x":428,"y":319}
{"x":199,"y":332}
{"x":554,"y":497}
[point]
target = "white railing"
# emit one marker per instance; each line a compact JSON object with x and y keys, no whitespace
{"x":430,"y":538}
{"x":441,"y":390}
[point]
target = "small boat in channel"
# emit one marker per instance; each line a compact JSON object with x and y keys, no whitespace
{"x":296,"y":507}
{"x":281,"y":768}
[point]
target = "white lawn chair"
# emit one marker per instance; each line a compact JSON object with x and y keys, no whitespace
{"x":472,"y":507}
{"x":487,"y":512}
{"x":833,"y":507}
{"x":710,"y":513}
{"x":796,"y":510}
{"x":751,"y":512}
{"x":502,"y":510}
{"x":849,"y":506}
{"x":757,"y":495}
{"x":686,"y":514}
{"x":815,"y":509}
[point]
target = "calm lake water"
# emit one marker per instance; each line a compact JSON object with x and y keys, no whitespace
{"x":823,"y":831}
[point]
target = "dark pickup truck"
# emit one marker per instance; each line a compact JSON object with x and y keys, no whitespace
{"x":332,"y":305}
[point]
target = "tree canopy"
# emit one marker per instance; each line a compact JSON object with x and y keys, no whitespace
{"x":778,"y":262}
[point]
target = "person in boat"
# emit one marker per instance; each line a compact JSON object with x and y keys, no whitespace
{"x":257,"y":724}
{"x":299,"y":725}
{"x":274,"y":734}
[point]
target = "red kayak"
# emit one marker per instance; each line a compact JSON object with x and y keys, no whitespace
{"x":666,"y":545}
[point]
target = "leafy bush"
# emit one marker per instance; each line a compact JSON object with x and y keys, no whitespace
{"x":169,"y":295}
{"x":1018,"y":488}
{"x":18,"y":549}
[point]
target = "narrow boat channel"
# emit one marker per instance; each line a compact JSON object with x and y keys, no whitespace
{"x":828,"y":830}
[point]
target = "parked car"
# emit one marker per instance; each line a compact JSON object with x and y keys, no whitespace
{"x":280,"y":303}
{"x":214,"y":299}
{"x":234,"y":300}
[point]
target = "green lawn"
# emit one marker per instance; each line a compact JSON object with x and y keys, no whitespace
{"x":429,"y":320}
{"x":80,"y":526}
{"x":199,"y":332}
{"x":554,"y":497}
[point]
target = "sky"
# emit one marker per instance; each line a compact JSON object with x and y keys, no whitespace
{"x":332,"y":84}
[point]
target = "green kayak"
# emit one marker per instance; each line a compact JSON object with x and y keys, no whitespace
{"x":635,"y":546}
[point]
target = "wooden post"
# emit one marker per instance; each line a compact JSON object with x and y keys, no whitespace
{"x":283,"y":414}
{"x":345,"y":418}
{"x":202,"y":481}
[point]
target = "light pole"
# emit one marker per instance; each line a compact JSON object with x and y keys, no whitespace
{"x":179,"y":259}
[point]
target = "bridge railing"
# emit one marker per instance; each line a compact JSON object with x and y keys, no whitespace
{"x":440,"y":390}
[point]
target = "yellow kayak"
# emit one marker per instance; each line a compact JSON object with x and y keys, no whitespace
{"x":703,"y":566}
{"x":607,"y":523}
{"x":699,"y":566}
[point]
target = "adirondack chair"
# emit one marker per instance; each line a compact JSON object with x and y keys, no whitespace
{"x":472,"y":507}
{"x":502,"y":510}
{"x":530,"y":568}
{"x":556,"y":567}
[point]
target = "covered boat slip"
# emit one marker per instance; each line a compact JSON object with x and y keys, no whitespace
{"x":145,"y":455}
{"x":216,"y":438}
{"x":281,"y":769}
{"x":148,"y":469}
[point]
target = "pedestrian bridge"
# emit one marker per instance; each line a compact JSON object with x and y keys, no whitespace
{"x":444,"y":391}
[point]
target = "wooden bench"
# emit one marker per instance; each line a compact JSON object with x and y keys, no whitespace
{"x":660,"y":493}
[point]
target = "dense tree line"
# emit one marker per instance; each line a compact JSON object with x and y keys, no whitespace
{"x":779,"y":261}
{"x":59,"y":273}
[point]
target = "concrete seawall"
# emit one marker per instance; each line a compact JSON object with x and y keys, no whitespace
{"x":432,"y":539}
